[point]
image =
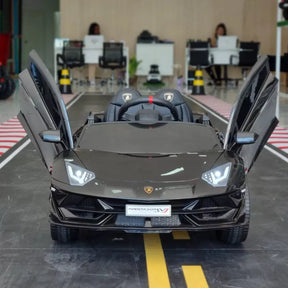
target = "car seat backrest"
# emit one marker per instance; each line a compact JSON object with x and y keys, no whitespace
{"x":176,"y":98}
{"x":117,"y":101}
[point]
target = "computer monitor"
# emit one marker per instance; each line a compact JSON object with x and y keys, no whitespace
{"x":94,"y":41}
{"x":227,"y":42}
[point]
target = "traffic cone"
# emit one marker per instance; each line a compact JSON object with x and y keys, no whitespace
{"x":65,"y":83}
{"x":198,"y":83}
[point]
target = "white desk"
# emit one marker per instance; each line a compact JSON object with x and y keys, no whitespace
{"x":217,"y":56}
{"x":161,"y":54}
{"x":223,"y":56}
{"x":90,"y":56}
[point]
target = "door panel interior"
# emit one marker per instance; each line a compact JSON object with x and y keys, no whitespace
{"x":254,"y":112}
{"x":247,"y":98}
{"x":42,"y":108}
{"x":35,"y":119}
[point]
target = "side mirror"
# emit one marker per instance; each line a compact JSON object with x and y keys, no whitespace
{"x":246,"y":137}
{"x":51,"y":136}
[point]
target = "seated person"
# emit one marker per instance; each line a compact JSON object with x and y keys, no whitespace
{"x":94,"y":29}
{"x":211,"y":70}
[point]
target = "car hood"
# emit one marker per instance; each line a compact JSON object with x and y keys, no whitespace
{"x":174,"y":176}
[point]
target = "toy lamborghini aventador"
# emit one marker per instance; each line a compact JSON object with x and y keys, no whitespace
{"x":148,"y":164}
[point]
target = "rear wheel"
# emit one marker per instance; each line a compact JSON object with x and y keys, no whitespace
{"x":63,"y":234}
{"x":238,"y":234}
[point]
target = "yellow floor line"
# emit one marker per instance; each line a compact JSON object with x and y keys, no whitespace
{"x":194,"y":277}
{"x":181,"y":235}
{"x":155,"y":261}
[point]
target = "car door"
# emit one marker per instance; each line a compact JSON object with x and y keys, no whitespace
{"x":254,"y":111}
{"x":42,"y":108}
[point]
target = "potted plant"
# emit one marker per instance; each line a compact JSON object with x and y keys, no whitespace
{"x":133,"y":65}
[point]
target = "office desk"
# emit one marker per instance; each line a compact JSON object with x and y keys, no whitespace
{"x":220,"y":56}
{"x":217,"y":56}
{"x":90,"y":55}
{"x":161,"y":54}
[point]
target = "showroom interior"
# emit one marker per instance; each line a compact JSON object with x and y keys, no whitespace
{"x":143,"y":143}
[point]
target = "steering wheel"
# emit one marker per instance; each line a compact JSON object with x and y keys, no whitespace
{"x":145,"y":100}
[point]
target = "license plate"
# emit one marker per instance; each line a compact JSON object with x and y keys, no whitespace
{"x":148,"y":210}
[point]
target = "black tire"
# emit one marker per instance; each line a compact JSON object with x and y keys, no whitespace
{"x":7,"y":87}
{"x":237,"y":234}
{"x":63,"y":234}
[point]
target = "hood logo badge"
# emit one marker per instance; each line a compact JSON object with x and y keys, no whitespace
{"x":126,"y":97}
{"x":148,"y":189}
{"x":169,"y":97}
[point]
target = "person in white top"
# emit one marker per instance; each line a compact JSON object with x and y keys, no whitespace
{"x":219,"y":31}
{"x":94,"y":29}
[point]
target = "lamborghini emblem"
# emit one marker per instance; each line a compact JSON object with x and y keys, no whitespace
{"x":168,"y":97}
{"x":126,"y":97}
{"x":148,"y":189}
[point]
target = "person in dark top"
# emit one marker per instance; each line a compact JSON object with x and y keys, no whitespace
{"x":216,"y":69}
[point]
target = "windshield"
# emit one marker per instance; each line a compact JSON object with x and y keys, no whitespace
{"x":160,"y":138}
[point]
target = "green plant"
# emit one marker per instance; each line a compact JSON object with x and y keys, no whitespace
{"x":133,"y":65}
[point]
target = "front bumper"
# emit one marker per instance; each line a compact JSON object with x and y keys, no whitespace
{"x":86,"y":212}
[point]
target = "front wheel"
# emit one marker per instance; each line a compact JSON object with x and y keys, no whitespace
{"x":63,"y":234}
{"x":238,"y":234}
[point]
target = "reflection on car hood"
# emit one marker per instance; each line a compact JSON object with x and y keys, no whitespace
{"x":112,"y":167}
{"x":177,"y":176}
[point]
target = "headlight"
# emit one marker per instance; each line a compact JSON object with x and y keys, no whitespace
{"x":217,"y":177}
{"x":77,"y":175}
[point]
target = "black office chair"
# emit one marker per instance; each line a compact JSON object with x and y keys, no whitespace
{"x":248,"y":56}
{"x":113,"y":57}
{"x":72,"y":55}
{"x":199,"y":53}
{"x":198,"y":57}
{"x":283,"y":65}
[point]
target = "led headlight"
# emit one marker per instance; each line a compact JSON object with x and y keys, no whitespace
{"x":217,"y":177}
{"x":77,"y":175}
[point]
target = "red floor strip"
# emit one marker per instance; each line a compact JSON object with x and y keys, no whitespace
{"x":11,"y":131}
{"x":10,"y":128}
{"x":5,"y":141}
{"x":11,"y":136}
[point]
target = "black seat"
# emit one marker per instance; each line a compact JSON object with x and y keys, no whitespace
{"x":171,"y":95}
{"x":113,"y":57}
{"x":72,"y":54}
{"x":118,"y":100}
{"x":199,"y":53}
{"x":176,"y":98}
{"x":198,"y":57}
{"x":248,"y":56}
